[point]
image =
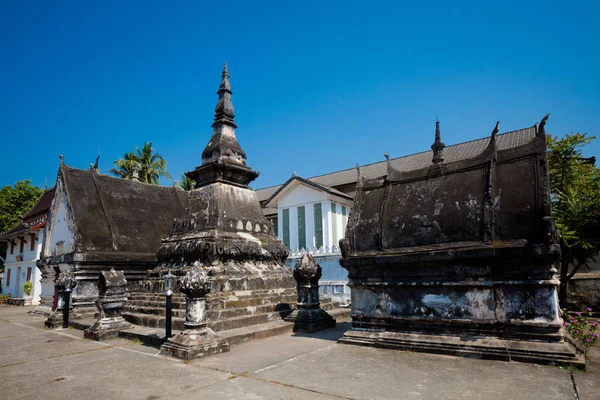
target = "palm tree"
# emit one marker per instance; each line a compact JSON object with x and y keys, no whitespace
{"x":124,"y":166}
{"x":151,"y":166}
{"x":186,"y":183}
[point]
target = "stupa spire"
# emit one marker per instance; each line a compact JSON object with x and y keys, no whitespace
{"x":224,"y":110}
{"x":223,"y":159}
{"x":438,"y":145}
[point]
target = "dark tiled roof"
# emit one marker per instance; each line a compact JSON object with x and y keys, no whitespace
{"x":20,"y":228}
{"x":42,"y":206}
{"x":269,"y":211}
{"x":264,"y":194}
{"x":39,"y":210}
{"x":113,"y":214}
{"x":411,"y":162}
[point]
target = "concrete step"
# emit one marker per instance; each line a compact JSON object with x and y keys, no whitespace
{"x":156,"y":336}
{"x":220,"y":314}
{"x":161,"y":311}
{"x":152,"y":321}
{"x":159,"y":321}
{"x":214,"y":315}
{"x":158,"y":308}
{"x":177,"y":296}
{"x":248,"y":301}
{"x":247,"y":333}
{"x":154,"y":304}
{"x":221,"y":302}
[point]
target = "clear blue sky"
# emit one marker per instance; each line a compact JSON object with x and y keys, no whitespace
{"x":318,"y":85}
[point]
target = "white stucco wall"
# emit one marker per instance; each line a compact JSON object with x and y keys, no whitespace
{"x":18,"y":269}
{"x":61,"y":239}
{"x":303,"y":195}
{"x":339,"y":221}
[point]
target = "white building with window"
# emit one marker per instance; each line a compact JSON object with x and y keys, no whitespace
{"x":311,"y":217}
{"x":24,"y":243}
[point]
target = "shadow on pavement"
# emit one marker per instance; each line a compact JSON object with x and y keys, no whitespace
{"x":329,"y":334}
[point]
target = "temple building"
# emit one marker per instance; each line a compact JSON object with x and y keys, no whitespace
{"x":97,"y":222}
{"x":24,"y":246}
{"x":458,"y":255}
{"x":311,"y":215}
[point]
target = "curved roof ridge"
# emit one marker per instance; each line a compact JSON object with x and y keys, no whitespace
{"x":421,"y":152}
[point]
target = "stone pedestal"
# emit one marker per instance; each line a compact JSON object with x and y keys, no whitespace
{"x":197,"y":339}
{"x":110,"y":303}
{"x":65,"y":282}
{"x":309,"y":317}
{"x":47,"y":295}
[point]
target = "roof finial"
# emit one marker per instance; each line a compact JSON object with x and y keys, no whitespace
{"x":438,"y":145}
{"x":62,"y":158}
{"x":223,"y":159}
{"x":224,"y":110}
{"x":541,"y":128}
{"x":135,"y":175}
{"x":97,"y":161}
{"x":495,"y":131}
{"x":225,"y":73}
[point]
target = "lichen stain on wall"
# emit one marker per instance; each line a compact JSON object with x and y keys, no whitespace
{"x":366,"y":301}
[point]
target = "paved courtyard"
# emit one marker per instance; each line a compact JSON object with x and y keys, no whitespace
{"x":36,"y":363}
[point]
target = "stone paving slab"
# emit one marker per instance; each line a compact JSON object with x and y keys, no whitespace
{"x":242,"y":387}
{"x":369,"y":373}
{"x":45,"y":345}
{"x":109,"y":374}
{"x":588,"y":381}
{"x":45,"y":364}
{"x":243,"y":358}
{"x":8,"y":330}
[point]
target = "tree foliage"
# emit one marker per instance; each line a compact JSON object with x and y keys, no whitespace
{"x":186,"y":183}
{"x":15,"y":202}
{"x":151,"y":166}
{"x":575,"y":193}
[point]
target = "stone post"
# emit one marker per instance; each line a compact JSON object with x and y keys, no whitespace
{"x":65,"y":282}
{"x":111,"y":300}
{"x":309,"y":317}
{"x":197,"y":339}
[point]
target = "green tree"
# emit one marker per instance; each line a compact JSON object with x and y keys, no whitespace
{"x":15,"y":202}
{"x":186,"y":183}
{"x":575,"y":193}
{"x":151,"y":166}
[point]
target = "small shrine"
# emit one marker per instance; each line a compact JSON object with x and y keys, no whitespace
{"x":459,"y":257}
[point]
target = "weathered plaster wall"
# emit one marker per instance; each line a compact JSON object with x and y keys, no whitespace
{"x":583,"y":291}
{"x":61,"y":237}
{"x":18,"y":277}
{"x":18,"y":274}
{"x":27,"y":254}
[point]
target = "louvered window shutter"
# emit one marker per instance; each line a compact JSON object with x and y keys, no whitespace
{"x":301,"y":228}
{"x":344,"y":221}
{"x":286,"y":227}
{"x":334,"y":224}
{"x":318,"y":212}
